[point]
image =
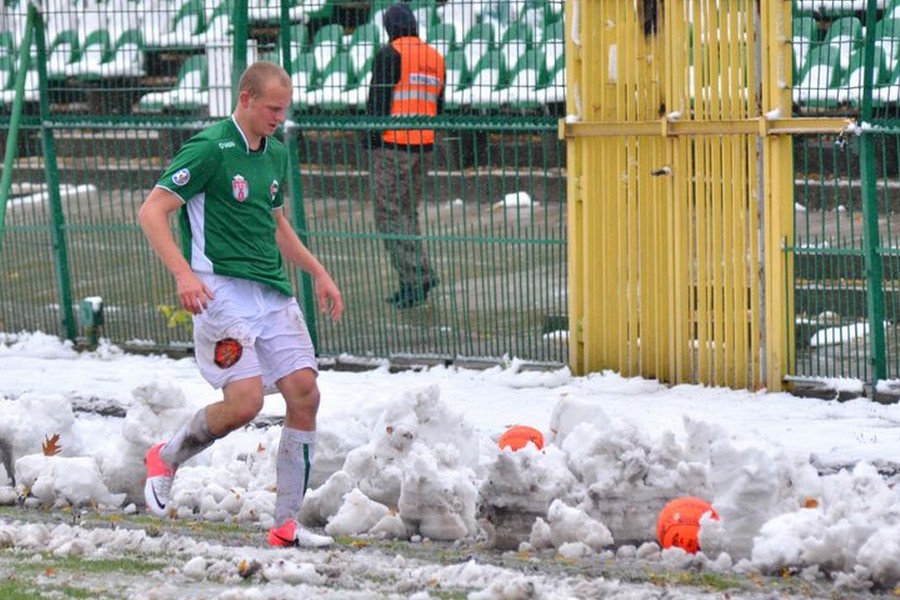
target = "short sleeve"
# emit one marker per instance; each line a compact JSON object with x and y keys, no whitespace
{"x":191,"y":169}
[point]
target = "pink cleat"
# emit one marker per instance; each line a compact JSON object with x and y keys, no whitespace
{"x":292,"y":534}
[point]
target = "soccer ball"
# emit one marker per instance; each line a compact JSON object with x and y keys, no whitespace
{"x":679,"y":523}
{"x":517,"y":436}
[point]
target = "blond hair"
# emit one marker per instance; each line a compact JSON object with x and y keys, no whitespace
{"x":257,"y":75}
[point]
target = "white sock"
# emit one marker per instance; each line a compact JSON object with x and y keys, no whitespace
{"x":193,"y":438}
{"x":292,"y":468}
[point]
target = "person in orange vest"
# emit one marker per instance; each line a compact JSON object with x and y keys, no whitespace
{"x":407,"y":82}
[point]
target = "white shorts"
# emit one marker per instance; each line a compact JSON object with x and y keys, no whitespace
{"x":250,"y":329}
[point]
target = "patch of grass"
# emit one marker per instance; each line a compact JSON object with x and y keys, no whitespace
{"x":81,"y":566}
{"x":15,"y":589}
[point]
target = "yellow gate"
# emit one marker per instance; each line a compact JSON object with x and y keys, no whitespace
{"x":680,"y":189}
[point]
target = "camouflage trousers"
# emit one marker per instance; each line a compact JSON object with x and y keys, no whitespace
{"x":397,"y":181}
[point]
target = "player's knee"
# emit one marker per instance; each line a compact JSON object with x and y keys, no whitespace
{"x":245,"y":411}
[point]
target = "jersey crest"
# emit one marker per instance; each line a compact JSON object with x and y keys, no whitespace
{"x":240,"y":188}
{"x":181,"y":177}
{"x":273,"y":189}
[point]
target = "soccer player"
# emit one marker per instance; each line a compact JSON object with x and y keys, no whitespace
{"x":227,"y":184}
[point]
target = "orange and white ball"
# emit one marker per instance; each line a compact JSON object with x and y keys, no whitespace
{"x":518,"y":436}
{"x":678,"y":524}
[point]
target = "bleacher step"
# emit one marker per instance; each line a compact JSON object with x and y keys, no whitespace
{"x":118,"y":143}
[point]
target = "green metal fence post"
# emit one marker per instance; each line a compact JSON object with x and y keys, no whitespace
{"x":12,"y":139}
{"x":298,"y":211}
{"x":871,"y":238}
{"x":58,"y":228}
{"x":239,"y":57}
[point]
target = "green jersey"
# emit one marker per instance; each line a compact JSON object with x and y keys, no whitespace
{"x":229,"y":193}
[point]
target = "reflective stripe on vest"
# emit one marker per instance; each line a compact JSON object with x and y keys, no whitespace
{"x":417,"y":91}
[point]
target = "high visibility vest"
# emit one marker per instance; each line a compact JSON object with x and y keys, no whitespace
{"x":417,"y":91}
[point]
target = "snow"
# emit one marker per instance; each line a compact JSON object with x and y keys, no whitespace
{"x":799,"y":484}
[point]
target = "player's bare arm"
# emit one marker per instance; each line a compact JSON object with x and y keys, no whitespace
{"x":154,"y":219}
{"x":295,"y":252}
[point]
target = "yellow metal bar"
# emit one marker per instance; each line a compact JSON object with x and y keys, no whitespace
{"x":759,"y":126}
{"x":777,"y":196}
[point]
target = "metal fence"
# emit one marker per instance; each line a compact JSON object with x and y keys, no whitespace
{"x":113,"y":87}
{"x":844,"y":252}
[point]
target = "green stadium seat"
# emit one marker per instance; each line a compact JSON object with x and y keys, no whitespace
{"x":7,"y":72}
{"x":126,"y":56}
{"x":887,"y":37}
{"x":456,"y":80}
{"x":852,"y":87}
{"x":327,"y":42}
{"x":528,"y":75}
{"x":7,"y":44}
{"x":64,"y":49}
{"x":8,"y":69}
{"x":891,"y":10}
{"x":96,"y":50}
{"x":443,"y":37}
{"x":304,"y":77}
{"x":426,"y":14}
{"x":846,"y":32}
{"x":316,"y":10}
{"x":820,"y":78}
{"x":516,"y":41}
{"x":190,"y":93}
{"x":180,"y":29}
{"x":479,"y":40}
{"x":489,"y":77}
{"x":336,"y":78}
{"x":554,"y":31}
{"x":829,"y":9}
{"x":805,"y":35}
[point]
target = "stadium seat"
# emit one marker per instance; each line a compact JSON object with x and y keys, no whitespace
{"x":528,"y":75}
{"x":846,"y":33}
{"x":891,"y":10}
{"x":555,"y":91}
{"x":7,"y":72}
{"x":190,"y":93}
{"x":308,"y":10}
{"x":830,"y":9}
{"x":478,"y":41}
{"x":515,"y":42}
{"x":263,"y":11}
{"x":366,"y":33}
{"x":7,"y":44}
{"x":183,"y":30}
{"x":887,"y":37}
{"x":303,"y":77}
{"x":96,"y":50}
{"x":805,"y":35}
{"x":426,"y":15}
{"x":122,"y":16}
{"x":327,"y":42}
{"x":8,"y":82}
{"x":820,"y":78}
{"x":489,"y":76}
{"x":852,"y":88}
{"x":456,"y":81}
{"x":336,"y":77}
{"x":443,"y":37}
{"x":63,"y":50}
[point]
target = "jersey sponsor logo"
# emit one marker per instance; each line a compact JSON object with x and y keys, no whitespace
{"x":181,"y":177}
{"x":240,"y":188}
{"x":273,"y":189}
{"x":226,"y":144}
{"x":227,"y":352}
